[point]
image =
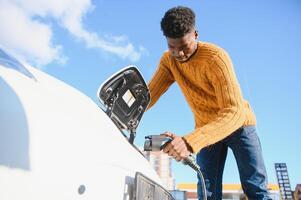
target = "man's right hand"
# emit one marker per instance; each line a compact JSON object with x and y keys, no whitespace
{"x":177,"y":148}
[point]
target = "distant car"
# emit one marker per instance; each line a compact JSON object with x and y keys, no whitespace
{"x":57,"y":144}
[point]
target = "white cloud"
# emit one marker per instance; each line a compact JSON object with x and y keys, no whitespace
{"x":25,"y":32}
{"x":26,"y":37}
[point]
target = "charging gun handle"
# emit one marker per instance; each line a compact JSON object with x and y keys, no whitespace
{"x":190,"y":160}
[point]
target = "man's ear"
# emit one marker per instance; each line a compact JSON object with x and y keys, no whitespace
{"x":196,"y":34}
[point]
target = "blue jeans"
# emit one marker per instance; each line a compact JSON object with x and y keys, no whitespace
{"x":246,"y":148}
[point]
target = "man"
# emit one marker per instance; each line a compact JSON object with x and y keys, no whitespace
{"x":223,"y":118}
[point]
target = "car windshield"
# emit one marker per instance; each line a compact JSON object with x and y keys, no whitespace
{"x":9,"y":61}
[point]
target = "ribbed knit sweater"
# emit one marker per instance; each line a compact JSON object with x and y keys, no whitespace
{"x":210,"y":86}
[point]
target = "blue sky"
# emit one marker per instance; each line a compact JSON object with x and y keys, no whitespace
{"x":83,"y":42}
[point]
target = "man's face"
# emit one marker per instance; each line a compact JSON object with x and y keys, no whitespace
{"x":183,"y":48}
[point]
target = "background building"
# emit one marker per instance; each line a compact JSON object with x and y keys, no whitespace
{"x":179,"y":194}
{"x":283,"y":181}
{"x":297,"y":193}
{"x":161,"y":163}
{"x":230,"y":191}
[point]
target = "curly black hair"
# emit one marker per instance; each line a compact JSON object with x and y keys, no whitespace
{"x":177,"y":22}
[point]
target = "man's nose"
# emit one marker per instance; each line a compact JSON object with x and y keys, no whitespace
{"x":178,"y":53}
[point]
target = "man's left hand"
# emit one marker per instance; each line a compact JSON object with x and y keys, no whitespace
{"x":177,"y":148}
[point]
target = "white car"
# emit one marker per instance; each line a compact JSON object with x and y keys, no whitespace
{"x":57,"y":144}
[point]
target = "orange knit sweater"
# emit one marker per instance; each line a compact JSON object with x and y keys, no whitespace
{"x":210,"y":86}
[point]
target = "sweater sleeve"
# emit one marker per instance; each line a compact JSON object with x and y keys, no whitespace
{"x":231,"y":114}
{"x":160,"y":82}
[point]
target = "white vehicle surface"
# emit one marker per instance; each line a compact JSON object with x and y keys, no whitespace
{"x":57,"y":144}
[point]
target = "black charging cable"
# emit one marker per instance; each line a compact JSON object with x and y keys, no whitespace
{"x":190,"y":161}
